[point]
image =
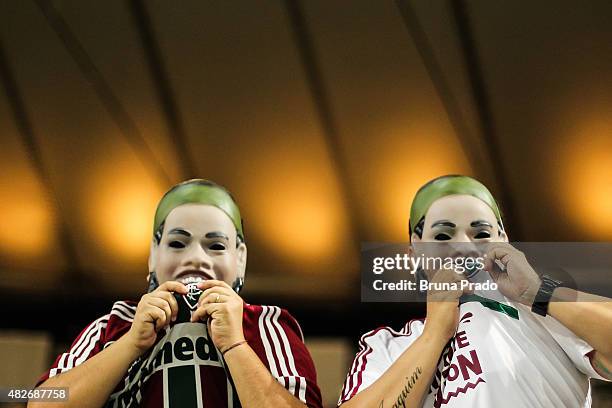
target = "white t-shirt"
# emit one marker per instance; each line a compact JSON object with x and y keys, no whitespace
{"x":494,"y":360}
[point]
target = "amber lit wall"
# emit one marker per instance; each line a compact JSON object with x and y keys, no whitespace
{"x":322,"y":117}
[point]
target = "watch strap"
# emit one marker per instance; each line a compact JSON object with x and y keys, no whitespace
{"x":542,"y":298}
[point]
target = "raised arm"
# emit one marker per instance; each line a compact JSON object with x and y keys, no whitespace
{"x":91,"y":383}
{"x":406,"y":382}
{"x":588,"y":316}
{"x":254,"y":384}
{"x":222,"y":308}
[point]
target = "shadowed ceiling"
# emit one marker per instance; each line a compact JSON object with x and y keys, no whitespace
{"x":321,"y":117}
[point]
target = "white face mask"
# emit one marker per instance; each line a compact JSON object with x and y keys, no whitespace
{"x":460,"y":218}
{"x":198,"y":243}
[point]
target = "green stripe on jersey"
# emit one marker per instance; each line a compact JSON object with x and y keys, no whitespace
{"x":492,"y":304}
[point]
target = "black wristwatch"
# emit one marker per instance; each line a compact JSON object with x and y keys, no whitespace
{"x":542,"y":299}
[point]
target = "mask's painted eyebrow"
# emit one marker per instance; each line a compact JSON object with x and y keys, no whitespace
{"x":443,"y":223}
{"x":480,"y":223}
{"x":179,"y":231}
{"x":217,"y":234}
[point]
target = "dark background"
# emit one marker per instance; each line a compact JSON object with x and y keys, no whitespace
{"x":321,"y":117}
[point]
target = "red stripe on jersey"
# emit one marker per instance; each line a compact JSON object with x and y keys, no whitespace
{"x":297,"y":382}
{"x":360,"y":374}
{"x":85,"y":340}
{"x":271,"y":332}
{"x":282,"y":346}
{"x":356,"y":363}
{"x":351,"y":387}
{"x":271,"y":354}
{"x":153,"y":392}
{"x":283,"y":353}
{"x":278,"y":347}
{"x":214,"y":387}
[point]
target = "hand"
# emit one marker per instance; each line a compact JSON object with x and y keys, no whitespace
{"x":223,"y":306}
{"x":518,"y":281}
{"x":154,"y":311}
{"x":442,"y":305}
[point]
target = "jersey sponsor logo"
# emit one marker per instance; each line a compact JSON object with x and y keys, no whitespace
{"x":185,"y":344}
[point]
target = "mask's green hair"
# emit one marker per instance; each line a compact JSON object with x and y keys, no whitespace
{"x":197,"y":191}
{"x":444,"y":186}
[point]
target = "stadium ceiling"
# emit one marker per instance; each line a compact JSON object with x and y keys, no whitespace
{"x":322,"y":118}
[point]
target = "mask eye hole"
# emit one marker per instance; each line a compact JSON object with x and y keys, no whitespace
{"x":442,"y":237}
{"x":217,"y":246}
{"x":176,"y":244}
{"x":482,"y":235}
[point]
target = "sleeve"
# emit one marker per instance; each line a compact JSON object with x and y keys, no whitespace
{"x":98,"y":335}
{"x":370,"y":362}
{"x":576,"y":349}
{"x":373,"y":358}
{"x":87,"y":344}
{"x":286,"y":355}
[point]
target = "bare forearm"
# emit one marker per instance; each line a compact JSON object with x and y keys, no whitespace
{"x":255,"y":385}
{"x":588,"y":316}
{"x":406,"y":382}
{"x":91,"y":383}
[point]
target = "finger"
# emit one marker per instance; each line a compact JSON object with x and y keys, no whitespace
{"x":161,"y":321}
{"x":218,"y":290}
{"x":163,"y":305}
{"x":213,"y":298}
{"x":503,"y":248}
{"x":204,"y":311}
{"x":488,"y":263}
{"x":171,"y":300}
{"x":208,"y":292}
{"x":506,"y":245}
{"x":172,"y":286}
{"x":156,"y":316}
{"x":213,"y":283}
{"x":497,"y":253}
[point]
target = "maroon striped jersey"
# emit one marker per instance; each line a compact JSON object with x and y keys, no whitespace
{"x":184,"y":368}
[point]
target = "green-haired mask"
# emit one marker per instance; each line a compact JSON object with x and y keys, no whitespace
{"x":197,"y":191}
{"x":444,"y":186}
